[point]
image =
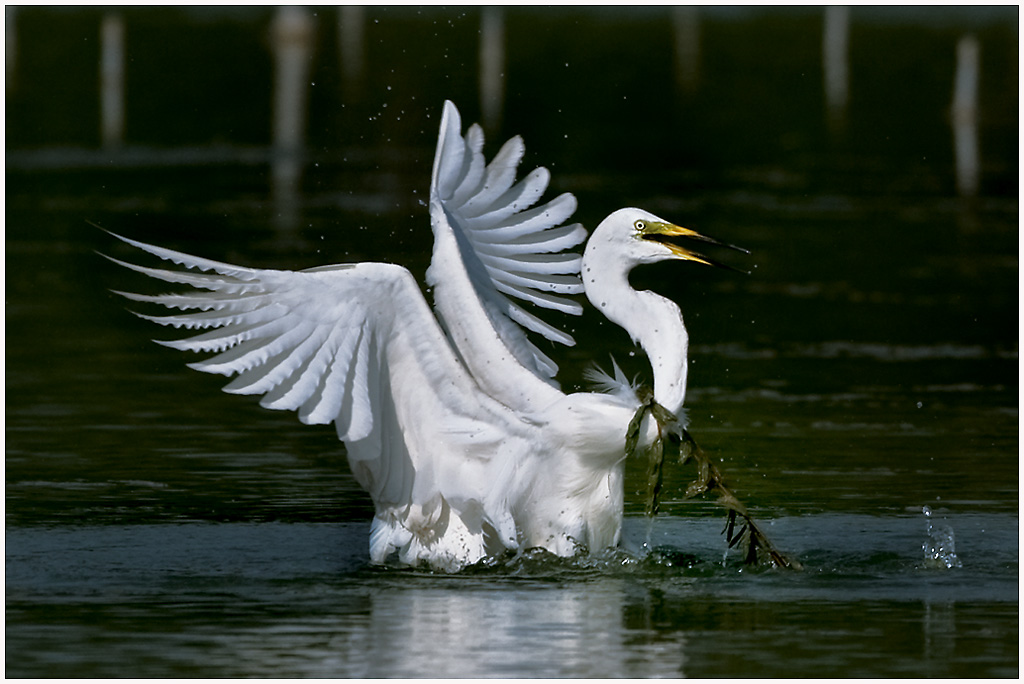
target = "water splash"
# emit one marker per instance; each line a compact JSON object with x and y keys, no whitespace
{"x":541,"y":563}
{"x":940,"y":546}
{"x":648,"y":544}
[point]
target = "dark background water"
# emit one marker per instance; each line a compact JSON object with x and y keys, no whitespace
{"x":867,"y":368}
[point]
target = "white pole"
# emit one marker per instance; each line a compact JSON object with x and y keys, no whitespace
{"x":10,"y":47}
{"x":351,"y":23}
{"x":835,"y":54}
{"x":686,"y":33}
{"x":965,"y":116}
{"x":292,"y":36}
{"x":492,"y":66}
{"x":112,"y":80}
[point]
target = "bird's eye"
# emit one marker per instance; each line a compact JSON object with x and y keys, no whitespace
{"x":639,"y":226}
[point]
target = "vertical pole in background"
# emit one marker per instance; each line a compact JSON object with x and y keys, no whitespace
{"x":10,"y":47}
{"x":492,"y":66}
{"x":686,"y":35}
{"x":965,"y":116}
{"x":351,"y":50}
{"x":836,"y":56}
{"x":292,"y":38}
{"x":112,"y":80}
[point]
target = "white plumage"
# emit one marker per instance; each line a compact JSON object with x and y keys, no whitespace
{"x":453,"y":423}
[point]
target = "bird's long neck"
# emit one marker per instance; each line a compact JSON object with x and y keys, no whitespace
{"x":654,"y":322}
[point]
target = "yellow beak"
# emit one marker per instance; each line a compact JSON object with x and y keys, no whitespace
{"x":656,"y":231}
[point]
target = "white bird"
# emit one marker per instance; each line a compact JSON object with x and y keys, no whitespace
{"x":453,"y":423}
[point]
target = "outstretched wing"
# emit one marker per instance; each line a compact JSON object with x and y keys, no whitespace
{"x":493,"y":247}
{"x":356,"y":345}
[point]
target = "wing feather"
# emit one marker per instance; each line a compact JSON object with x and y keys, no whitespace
{"x":294,"y":380}
{"x":533,"y":263}
{"x":213,"y":318}
{"x":356,"y":405}
{"x":355,"y":345}
{"x":531,"y":322}
{"x":527,"y":222}
{"x":290,"y":361}
{"x":205,"y":301}
{"x":473,"y":178}
{"x":248,"y":333}
{"x":548,"y":241}
{"x":527,"y":283}
{"x":493,"y":244}
{"x":500,"y":176}
{"x":227,"y":283}
{"x":519,"y":197}
{"x":538,"y":297}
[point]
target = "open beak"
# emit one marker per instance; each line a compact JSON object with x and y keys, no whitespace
{"x":659,"y":232}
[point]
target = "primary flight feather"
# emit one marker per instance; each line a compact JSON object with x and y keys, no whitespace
{"x":451,"y":418}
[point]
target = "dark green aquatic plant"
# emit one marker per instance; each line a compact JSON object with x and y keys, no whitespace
{"x":673,"y":441}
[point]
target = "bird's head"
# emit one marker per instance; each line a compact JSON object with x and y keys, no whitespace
{"x":643,"y":238}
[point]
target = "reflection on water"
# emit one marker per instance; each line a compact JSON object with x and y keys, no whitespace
{"x":575,"y":630}
{"x":298,"y":600}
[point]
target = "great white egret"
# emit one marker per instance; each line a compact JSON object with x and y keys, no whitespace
{"x":453,"y":423}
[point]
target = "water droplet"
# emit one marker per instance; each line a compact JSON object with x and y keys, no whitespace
{"x":940,"y":546}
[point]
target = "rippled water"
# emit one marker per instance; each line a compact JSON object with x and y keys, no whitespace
{"x":297,"y":599}
{"x":859,"y":388}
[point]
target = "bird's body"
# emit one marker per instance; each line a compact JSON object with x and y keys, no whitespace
{"x":452,"y":422}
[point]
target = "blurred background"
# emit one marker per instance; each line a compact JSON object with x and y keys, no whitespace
{"x":860,"y":386}
{"x":694,"y":91}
